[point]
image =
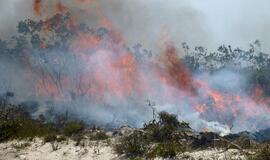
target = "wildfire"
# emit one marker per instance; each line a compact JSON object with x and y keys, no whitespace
{"x":61,"y":8}
{"x":111,"y":70}
{"x":37,"y":5}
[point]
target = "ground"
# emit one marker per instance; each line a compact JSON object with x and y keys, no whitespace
{"x":90,"y":150}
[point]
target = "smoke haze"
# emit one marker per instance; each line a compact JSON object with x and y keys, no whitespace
{"x":208,"y":23}
{"x":103,"y":81}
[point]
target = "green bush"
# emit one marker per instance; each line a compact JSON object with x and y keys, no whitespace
{"x":99,"y":135}
{"x":22,"y":129}
{"x":17,"y":123}
{"x":73,"y":127}
{"x":133,"y":145}
{"x":53,"y":138}
{"x":262,"y":154}
{"x":163,"y":130}
{"x":166,"y":150}
{"x":244,"y":142}
{"x":50,"y":138}
{"x":157,"y":139}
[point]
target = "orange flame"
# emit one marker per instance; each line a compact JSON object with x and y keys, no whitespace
{"x":61,"y":8}
{"x":37,"y":5}
{"x":113,"y":70}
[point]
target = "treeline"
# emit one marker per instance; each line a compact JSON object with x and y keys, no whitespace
{"x":54,"y":35}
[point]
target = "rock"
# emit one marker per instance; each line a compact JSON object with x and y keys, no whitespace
{"x":109,"y":134}
{"x":22,"y":157}
{"x":123,"y":131}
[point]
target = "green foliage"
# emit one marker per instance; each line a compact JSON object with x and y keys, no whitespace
{"x":21,"y":129}
{"x":244,"y":142}
{"x":164,"y":129}
{"x":166,"y":150}
{"x":262,"y":154}
{"x":50,"y":138}
{"x":157,"y":139}
{"x":73,"y":127}
{"x":133,"y":145}
{"x":99,"y":135}
{"x":15,"y":124}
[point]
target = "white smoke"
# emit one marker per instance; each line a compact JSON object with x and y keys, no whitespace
{"x":142,"y":21}
{"x":208,"y":23}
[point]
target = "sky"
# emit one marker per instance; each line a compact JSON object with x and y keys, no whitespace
{"x":236,"y":22}
{"x":209,"y":23}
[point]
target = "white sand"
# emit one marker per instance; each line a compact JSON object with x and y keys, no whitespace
{"x":89,"y":150}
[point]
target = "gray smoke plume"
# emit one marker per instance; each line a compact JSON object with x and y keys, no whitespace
{"x":208,"y":23}
{"x":141,"y":21}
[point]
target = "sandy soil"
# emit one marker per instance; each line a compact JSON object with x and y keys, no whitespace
{"x":89,"y":150}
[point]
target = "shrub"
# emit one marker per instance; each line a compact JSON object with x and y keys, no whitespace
{"x":73,"y":127}
{"x":50,"y":138}
{"x":164,"y":129}
{"x":244,"y":142}
{"x":133,"y":145}
{"x":166,"y":150}
{"x":16,"y":123}
{"x":157,"y":139}
{"x":78,"y":139}
{"x":99,"y":135}
{"x":22,"y":129}
{"x":262,"y":154}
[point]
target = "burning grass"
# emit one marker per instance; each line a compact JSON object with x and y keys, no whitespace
{"x":89,"y":71}
{"x":163,"y":137}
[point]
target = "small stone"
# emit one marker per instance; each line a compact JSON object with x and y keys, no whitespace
{"x":22,"y":157}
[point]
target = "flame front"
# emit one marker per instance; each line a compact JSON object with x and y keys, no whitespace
{"x":106,"y":72}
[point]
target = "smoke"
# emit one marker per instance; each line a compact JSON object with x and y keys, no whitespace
{"x":236,"y":22}
{"x":14,"y":78}
{"x":101,"y":81}
{"x":208,"y":23}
